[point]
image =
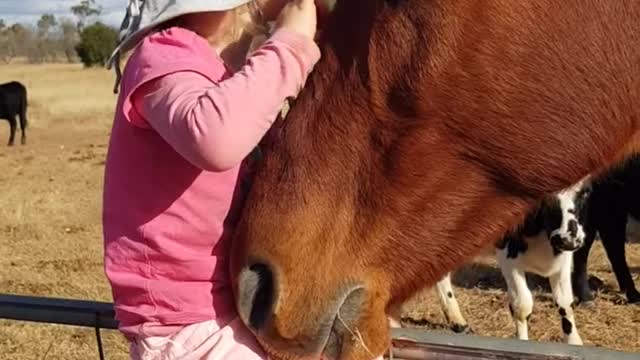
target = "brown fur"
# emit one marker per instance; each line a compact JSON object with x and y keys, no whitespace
{"x":427,"y":130}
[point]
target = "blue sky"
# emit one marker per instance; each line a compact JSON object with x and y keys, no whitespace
{"x":28,"y":11}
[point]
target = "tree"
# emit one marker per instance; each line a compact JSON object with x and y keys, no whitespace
{"x":20,"y":39}
{"x":68,"y":38}
{"x":6,"y":53}
{"x":50,"y":39}
{"x":96,"y":43}
{"x":45,"y":24}
{"x":84,"y":11}
{"x":45,"y":45}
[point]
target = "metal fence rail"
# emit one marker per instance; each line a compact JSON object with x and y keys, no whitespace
{"x":408,"y":344}
{"x":97,"y":315}
{"x":413,"y":344}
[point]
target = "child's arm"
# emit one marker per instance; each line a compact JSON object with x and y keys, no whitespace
{"x":216,"y":125}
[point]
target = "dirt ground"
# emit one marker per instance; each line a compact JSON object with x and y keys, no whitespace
{"x":51,"y":244}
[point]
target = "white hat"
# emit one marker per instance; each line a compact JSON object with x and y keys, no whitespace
{"x":143,"y":15}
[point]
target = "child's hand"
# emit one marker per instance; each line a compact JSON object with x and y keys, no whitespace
{"x":299,"y":16}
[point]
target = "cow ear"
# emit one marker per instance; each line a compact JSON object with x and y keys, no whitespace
{"x":587,"y":190}
{"x":585,"y":186}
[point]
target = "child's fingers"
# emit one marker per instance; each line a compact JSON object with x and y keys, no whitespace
{"x":299,"y":16}
{"x":304,"y":4}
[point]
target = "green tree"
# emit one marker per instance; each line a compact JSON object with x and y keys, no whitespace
{"x":84,"y":11}
{"x":96,"y":44}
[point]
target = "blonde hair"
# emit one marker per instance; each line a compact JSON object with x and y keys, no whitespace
{"x":244,"y":18}
{"x":253,"y":26}
{"x":257,"y":24}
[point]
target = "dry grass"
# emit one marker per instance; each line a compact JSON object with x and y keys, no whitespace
{"x":50,"y":233}
{"x":65,"y":94}
{"x":51,"y":243}
{"x":480,"y":290}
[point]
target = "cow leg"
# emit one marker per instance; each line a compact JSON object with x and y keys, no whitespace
{"x":580,"y":276}
{"x":520,"y":297}
{"x":613,"y":236}
{"x":394,"y":323}
{"x":12,"y":130}
{"x":23,"y":127}
{"x":449,"y":305}
{"x":394,"y":315}
{"x":563,"y":297}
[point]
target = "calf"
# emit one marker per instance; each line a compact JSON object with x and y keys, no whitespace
{"x":615,"y":198}
{"x":544,"y":244}
{"x":448,"y":303}
{"x":13,"y":103}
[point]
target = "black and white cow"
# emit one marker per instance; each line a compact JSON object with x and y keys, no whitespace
{"x":543,"y":245}
{"x":448,"y":303}
{"x":13,"y":103}
{"x":615,"y":199}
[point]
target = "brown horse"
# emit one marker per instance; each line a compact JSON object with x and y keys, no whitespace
{"x":428,"y":129}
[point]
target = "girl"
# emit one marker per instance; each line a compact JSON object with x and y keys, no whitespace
{"x":190,"y":109}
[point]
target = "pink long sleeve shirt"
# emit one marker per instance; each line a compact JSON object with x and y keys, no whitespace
{"x":183,"y":125}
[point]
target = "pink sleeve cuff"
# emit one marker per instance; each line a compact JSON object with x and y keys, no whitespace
{"x":301,"y":45}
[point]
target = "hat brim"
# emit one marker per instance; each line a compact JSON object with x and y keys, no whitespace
{"x":178,"y":9}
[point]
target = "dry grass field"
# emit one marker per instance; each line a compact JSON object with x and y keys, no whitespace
{"x":50,"y":232}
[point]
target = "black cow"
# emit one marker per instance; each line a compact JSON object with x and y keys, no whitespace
{"x":13,"y":103}
{"x":615,"y":196}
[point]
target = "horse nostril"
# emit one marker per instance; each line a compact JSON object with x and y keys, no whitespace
{"x":573,"y":228}
{"x":255,"y":295}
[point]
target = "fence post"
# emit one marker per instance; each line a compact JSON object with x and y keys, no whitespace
{"x":98,"y":338}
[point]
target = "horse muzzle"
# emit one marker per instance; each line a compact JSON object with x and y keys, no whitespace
{"x":285,"y":328}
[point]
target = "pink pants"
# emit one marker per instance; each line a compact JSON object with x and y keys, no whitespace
{"x":202,"y":341}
